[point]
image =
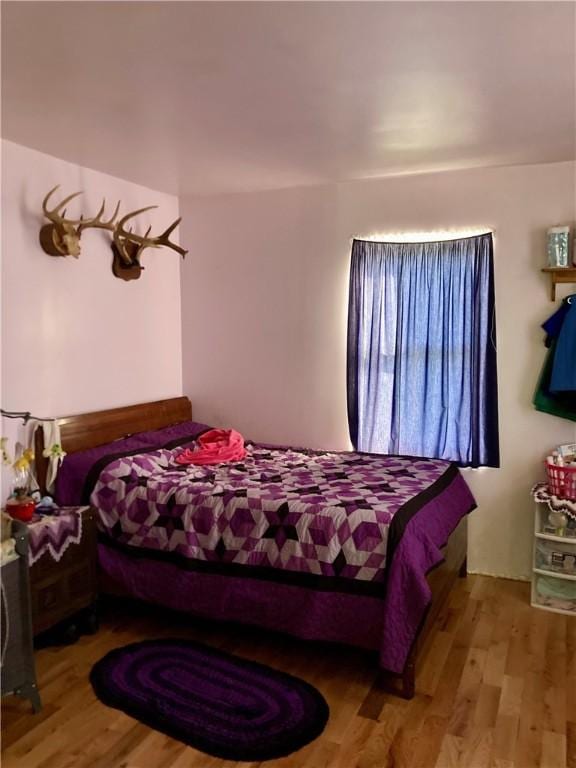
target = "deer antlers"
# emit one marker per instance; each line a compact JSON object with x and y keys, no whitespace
{"x":123,"y":240}
{"x":61,"y":237}
{"x":96,"y":222}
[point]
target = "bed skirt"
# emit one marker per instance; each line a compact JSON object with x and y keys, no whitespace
{"x":305,"y":613}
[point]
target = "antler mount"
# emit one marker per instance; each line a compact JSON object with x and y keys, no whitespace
{"x":61,"y":236}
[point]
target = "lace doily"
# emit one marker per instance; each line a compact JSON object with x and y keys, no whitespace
{"x":541,"y":493}
{"x":54,"y":534}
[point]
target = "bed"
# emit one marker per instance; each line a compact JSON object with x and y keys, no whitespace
{"x":354,"y":548}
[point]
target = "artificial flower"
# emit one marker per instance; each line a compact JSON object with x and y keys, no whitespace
{"x":54,"y":452}
{"x":6,"y":460}
{"x":23,"y":463}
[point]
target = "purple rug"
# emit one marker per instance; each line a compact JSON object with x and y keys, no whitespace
{"x":218,"y":703}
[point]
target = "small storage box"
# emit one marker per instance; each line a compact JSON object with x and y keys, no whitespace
{"x":555,"y":593}
{"x":555,"y":557}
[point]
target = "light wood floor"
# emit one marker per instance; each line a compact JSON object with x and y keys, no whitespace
{"x":497,"y":688}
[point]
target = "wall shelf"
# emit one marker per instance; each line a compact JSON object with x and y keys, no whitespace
{"x":559,"y":275}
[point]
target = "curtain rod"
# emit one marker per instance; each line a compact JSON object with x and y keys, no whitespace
{"x":26,"y":416}
{"x":386,"y":237}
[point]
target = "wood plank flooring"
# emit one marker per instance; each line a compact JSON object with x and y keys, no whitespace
{"x":497,"y":689}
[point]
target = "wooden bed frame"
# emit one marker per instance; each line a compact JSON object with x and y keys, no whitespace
{"x":87,"y":430}
{"x":99,"y":427}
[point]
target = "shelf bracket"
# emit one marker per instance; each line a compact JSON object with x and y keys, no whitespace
{"x":559,"y":275}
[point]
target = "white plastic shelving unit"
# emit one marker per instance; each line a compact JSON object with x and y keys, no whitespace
{"x":554,"y":557}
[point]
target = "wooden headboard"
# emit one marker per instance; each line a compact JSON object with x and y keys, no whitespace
{"x":87,"y":430}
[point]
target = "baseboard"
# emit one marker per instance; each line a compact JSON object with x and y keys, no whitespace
{"x":511,"y":577}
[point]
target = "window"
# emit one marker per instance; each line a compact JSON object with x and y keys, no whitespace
{"x":422,"y":350}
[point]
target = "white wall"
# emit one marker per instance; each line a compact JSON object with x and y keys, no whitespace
{"x":264,"y":298}
{"x":74,"y":337}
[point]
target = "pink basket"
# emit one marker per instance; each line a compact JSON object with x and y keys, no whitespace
{"x":561,"y":481}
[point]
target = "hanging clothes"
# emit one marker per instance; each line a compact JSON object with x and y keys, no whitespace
{"x":553,"y":325}
{"x":564,"y":368}
{"x":560,"y":403}
{"x":216,"y":446}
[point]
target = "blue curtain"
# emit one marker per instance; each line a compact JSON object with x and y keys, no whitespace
{"x":422,"y":350}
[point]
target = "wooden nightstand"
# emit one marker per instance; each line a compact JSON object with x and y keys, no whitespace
{"x":66,"y":588}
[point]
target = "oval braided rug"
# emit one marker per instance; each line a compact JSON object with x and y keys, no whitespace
{"x":218,"y":703}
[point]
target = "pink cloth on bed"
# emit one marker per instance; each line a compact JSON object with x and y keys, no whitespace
{"x":216,"y":447}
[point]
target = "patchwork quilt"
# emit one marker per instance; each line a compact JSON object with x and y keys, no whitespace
{"x":326,"y":519}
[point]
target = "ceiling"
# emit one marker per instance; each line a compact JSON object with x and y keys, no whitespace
{"x":217,"y":97}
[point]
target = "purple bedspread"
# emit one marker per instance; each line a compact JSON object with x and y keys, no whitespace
{"x":343,"y":540}
{"x":322,"y":514}
{"x":364,"y":621}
